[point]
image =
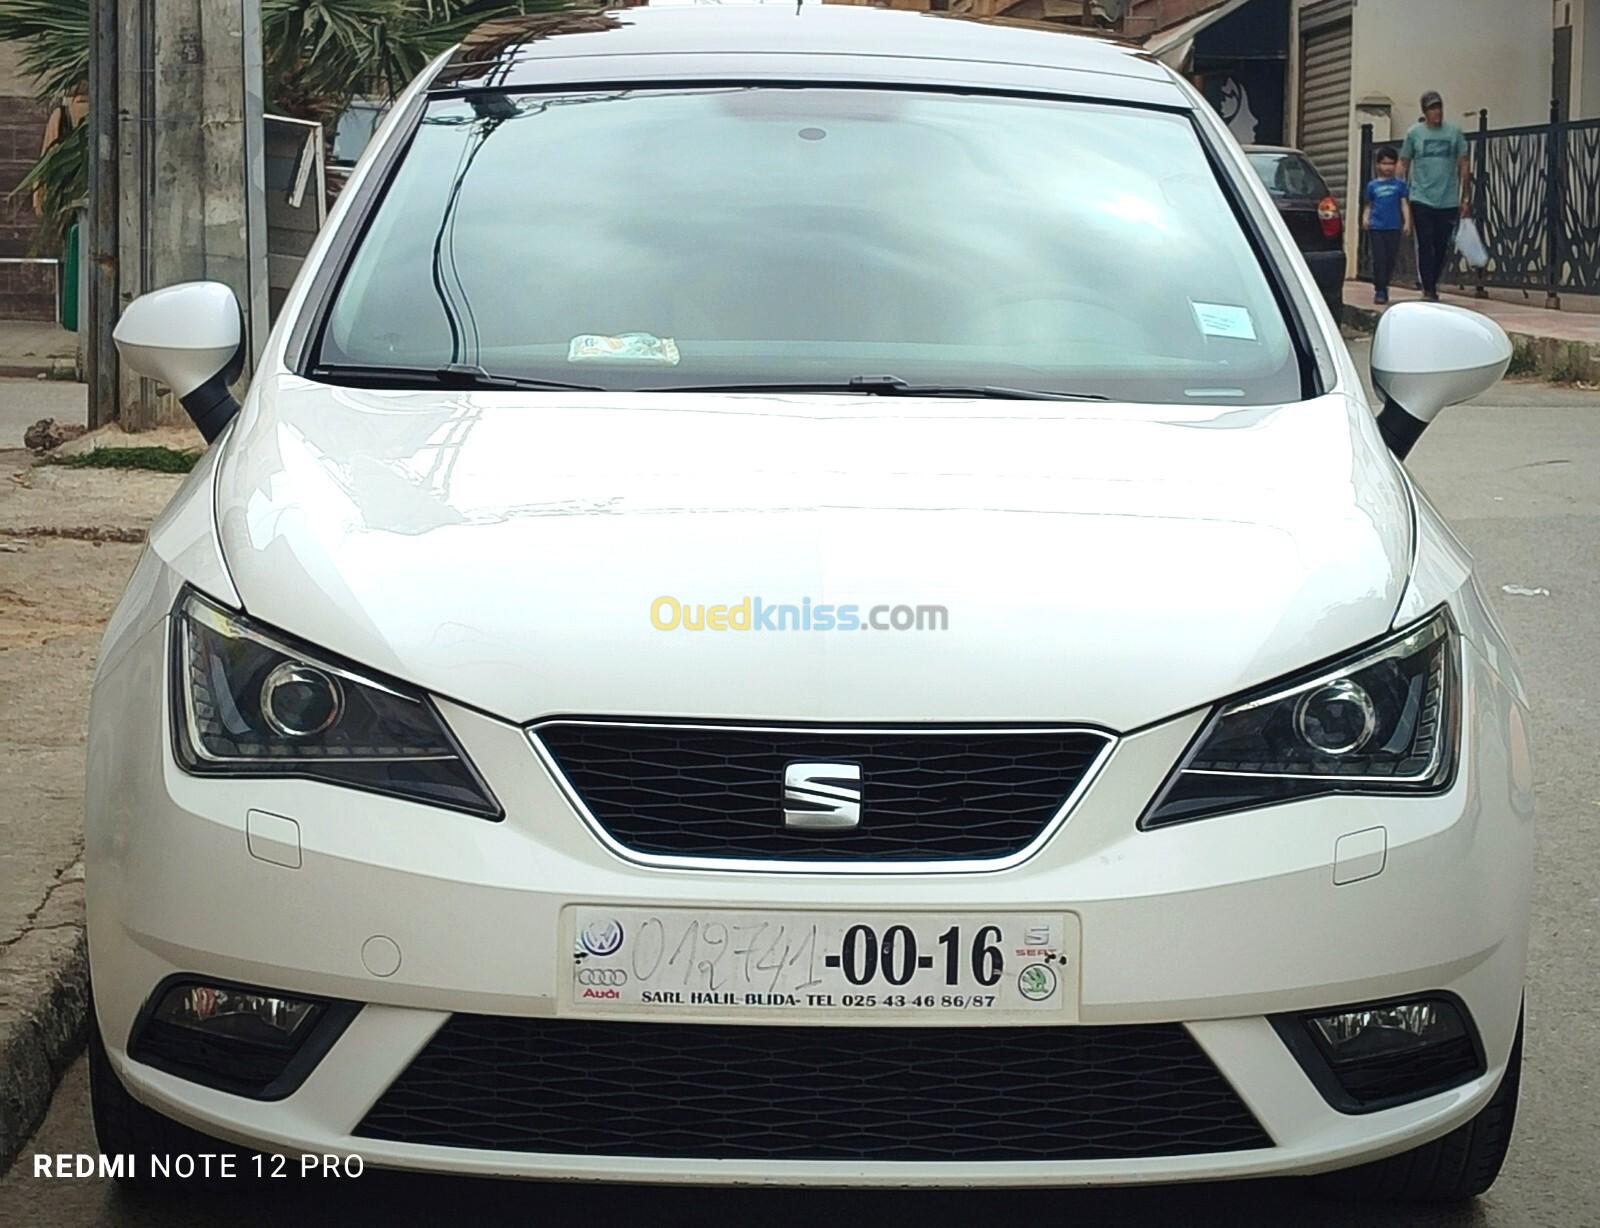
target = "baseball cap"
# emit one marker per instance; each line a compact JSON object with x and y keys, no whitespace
{"x":1432,"y":99}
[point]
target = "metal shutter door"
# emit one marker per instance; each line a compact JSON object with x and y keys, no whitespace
{"x":1325,"y":92}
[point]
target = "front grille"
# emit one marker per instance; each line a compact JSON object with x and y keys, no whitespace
{"x":809,"y":1093}
{"x":713,"y":792}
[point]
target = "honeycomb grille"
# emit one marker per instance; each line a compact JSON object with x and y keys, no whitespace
{"x":692,"y":791}
{"x":806,"y":1093}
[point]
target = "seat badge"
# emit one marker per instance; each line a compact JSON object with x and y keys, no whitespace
{"x":822,"y":796}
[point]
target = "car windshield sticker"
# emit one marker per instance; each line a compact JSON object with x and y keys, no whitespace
{"x":1222,"y":320}
{"x":625,"y":347}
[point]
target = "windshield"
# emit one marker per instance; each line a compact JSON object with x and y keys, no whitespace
{"x":735,"y":235}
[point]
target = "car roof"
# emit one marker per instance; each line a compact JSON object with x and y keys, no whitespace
{"x":1283,"y":149}
{"x":803,"y":42}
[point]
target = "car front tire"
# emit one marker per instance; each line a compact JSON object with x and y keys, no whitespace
{"x":124,"y":1127}
{"x":1457,"y":1167}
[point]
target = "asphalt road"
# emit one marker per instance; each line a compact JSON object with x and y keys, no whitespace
{"x":1519,"y":478}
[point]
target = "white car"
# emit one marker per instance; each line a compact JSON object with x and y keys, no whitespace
{"x":809,"y":597}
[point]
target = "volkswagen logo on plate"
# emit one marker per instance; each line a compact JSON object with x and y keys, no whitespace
{"x":602,"y":976}
{"x":602,"y":937}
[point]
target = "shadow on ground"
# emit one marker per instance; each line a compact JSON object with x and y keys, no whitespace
{"x":389,"y":1198}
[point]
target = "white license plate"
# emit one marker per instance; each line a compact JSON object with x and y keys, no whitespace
{"x":719,"y":963}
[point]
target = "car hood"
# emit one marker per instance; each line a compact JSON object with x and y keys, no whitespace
{"x":1098,"y":563}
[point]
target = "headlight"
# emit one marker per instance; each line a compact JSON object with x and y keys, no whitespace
{"x":1383,"y":721}
{"x":250,"y":702}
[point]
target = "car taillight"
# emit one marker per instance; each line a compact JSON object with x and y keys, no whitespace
{"x":1328,"y":215}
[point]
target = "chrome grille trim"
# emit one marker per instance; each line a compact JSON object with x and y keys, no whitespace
{"x":731,"y":865}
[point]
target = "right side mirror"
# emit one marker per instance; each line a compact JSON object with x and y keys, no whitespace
{"x":191,"y":338}
{"x":1426,"y":356}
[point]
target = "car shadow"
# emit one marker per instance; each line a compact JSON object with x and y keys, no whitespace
{"x":394,"y":1198}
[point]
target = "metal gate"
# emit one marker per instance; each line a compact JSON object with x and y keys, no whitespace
{"x":1536,"y":199}
{"x":1324,"y":116}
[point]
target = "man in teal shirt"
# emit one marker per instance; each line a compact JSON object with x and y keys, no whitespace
{"x":1433,"y":162}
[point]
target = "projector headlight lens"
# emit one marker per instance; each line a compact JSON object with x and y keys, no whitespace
{"x":251,"y":702}
{"x":1382,"y":721}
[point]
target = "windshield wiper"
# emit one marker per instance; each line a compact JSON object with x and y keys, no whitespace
{"x":455,"y":375}
{"x":894,"y":386}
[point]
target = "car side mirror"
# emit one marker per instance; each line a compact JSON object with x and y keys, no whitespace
{"x":1426,"y":356}
{"x":191,"y":338}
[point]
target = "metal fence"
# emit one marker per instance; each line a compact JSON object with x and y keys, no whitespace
{"x":1536,"y":199}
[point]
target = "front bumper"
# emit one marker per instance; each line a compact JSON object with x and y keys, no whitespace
{"x":1216,"y":925}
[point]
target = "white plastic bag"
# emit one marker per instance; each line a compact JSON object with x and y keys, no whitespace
{"x":1470,"y":244}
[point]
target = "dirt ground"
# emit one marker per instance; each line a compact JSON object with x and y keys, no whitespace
{"x":68,"y":540}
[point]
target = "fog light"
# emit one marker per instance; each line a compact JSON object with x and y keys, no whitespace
{"x":265,"y":1019}
{"x":1374,"y":1032}
{"x":243,"y":1039}
{"x":1380,"y":1054}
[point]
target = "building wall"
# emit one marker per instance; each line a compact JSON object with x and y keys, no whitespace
{"x":27,"y":288}
{"x":1477,"y":53}
{"x":1586,"y":59}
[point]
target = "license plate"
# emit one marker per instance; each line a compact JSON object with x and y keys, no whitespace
{"x":719,"y":963}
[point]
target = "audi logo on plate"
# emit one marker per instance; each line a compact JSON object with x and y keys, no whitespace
{"x":602,"y":976}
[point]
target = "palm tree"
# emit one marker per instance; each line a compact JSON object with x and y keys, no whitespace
{"x":317,"y":56}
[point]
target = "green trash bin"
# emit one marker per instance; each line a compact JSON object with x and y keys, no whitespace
{"x":67,"y":279}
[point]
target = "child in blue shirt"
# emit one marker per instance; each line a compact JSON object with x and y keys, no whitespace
{"x":1386,"y":218}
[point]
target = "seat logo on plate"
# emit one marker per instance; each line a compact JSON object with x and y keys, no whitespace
{"x":822,"y":796}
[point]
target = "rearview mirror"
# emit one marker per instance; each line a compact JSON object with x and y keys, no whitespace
{"x":1426,"y":356}
{"x":191,"y":338}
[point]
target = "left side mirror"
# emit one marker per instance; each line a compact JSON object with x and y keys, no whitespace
{"x":191,"y":338}
{"x":1426,"y":356}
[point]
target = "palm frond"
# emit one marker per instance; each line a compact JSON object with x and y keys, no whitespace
{"x":62,"y":171}
{"x":55,"y":42}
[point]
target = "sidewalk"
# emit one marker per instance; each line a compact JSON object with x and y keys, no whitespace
{"x":68,"y":540}
{"x":1562,"y":346}
{"x":37,"y":347}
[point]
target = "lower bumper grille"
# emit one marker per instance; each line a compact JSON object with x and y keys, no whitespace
{"x":807,"y":1093}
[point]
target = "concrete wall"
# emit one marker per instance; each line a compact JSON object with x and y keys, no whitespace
{"x":1477,"y":53}
{"x":1586,"y":59}
{"x":12,"y":81}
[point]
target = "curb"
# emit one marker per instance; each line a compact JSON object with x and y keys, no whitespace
{"x":44,"y":1010}
{"x":39,"y":368}
{"x":1546,"y":358}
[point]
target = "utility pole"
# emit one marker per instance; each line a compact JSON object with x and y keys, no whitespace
{"x":99,"y":313}
{"x":176,"y":91}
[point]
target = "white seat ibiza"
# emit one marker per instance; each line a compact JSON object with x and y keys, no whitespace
{"x":809,"y":597}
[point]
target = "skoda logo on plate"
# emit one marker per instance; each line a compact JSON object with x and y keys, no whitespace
{"x":1036,"y":982}
{"x":602,"y":937}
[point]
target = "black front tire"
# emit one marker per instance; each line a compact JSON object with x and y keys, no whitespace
{"x":1457,"y":1167}
{"x":125,"y":1127}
